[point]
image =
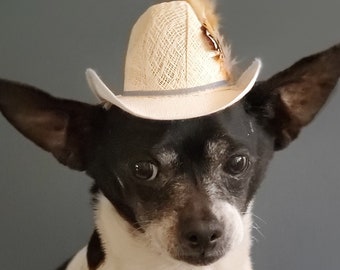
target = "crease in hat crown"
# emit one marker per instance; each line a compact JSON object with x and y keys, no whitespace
{"x":177,"y":66}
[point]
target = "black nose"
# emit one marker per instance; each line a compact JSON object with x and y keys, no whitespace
{"x":201,"y":236}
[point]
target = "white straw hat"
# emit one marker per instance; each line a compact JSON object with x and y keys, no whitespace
{"x":177,"y":66}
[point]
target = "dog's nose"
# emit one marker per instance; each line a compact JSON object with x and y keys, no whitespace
{"x":201,"y":236}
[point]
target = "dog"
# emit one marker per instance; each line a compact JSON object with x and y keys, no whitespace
{"x":175,"y":193}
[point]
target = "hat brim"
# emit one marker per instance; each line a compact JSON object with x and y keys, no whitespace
{"x":176,"y":107}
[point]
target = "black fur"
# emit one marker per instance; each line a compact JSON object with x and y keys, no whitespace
{"x":95,"y":252}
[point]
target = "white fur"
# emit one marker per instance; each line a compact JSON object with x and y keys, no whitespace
{"x":79,"y":262}
{"x":216,"y":149}
{"x":232,"y":222}
{"x":126,"y":251}
{"x":167,"y":157}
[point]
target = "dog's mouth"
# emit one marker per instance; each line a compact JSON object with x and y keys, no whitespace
{"x":201,"y":259}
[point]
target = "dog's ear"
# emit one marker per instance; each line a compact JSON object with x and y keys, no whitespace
{"x":290,"y":99}
{"x":62,"y":127}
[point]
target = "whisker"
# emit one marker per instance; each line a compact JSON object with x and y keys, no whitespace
{"x":257,"y":228}
{"x":262,"y":220}
{"x":255,"y":239}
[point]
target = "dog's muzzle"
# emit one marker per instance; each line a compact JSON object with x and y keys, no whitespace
{"x":201,"y":238}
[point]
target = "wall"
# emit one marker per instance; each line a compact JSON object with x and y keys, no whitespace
{"x":44,"y":207}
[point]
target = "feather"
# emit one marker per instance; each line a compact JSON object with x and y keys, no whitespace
{"x":205,"y":12}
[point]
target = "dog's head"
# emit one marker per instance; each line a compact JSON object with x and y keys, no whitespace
{"x":185,"y":187}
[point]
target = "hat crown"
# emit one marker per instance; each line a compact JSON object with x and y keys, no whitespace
{"x":168,"y":50}
{"x":177,"y":66}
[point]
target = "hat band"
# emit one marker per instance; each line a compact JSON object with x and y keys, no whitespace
{"x":176,"y":92}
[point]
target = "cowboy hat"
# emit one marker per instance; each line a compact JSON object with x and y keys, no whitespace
{"x":177,"y":66}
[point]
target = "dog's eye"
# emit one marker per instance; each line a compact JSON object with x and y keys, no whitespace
{"x":145,"y":170}
{"x":237,"y":164}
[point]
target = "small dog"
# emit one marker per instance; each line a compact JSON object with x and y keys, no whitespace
{"x":174,"y":194}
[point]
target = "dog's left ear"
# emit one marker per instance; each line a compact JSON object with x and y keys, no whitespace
{"x":290,"y":99}
{"x":62,"y":127}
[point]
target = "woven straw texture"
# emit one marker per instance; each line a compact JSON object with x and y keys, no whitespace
{"x":168,"y":50}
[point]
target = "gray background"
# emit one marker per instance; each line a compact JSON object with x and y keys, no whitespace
{"x":45,"y":214}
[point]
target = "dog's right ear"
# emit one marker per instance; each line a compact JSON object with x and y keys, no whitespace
{"x":62,"y":127}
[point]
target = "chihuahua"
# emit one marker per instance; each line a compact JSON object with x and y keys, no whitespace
{"x":173,"y":194}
